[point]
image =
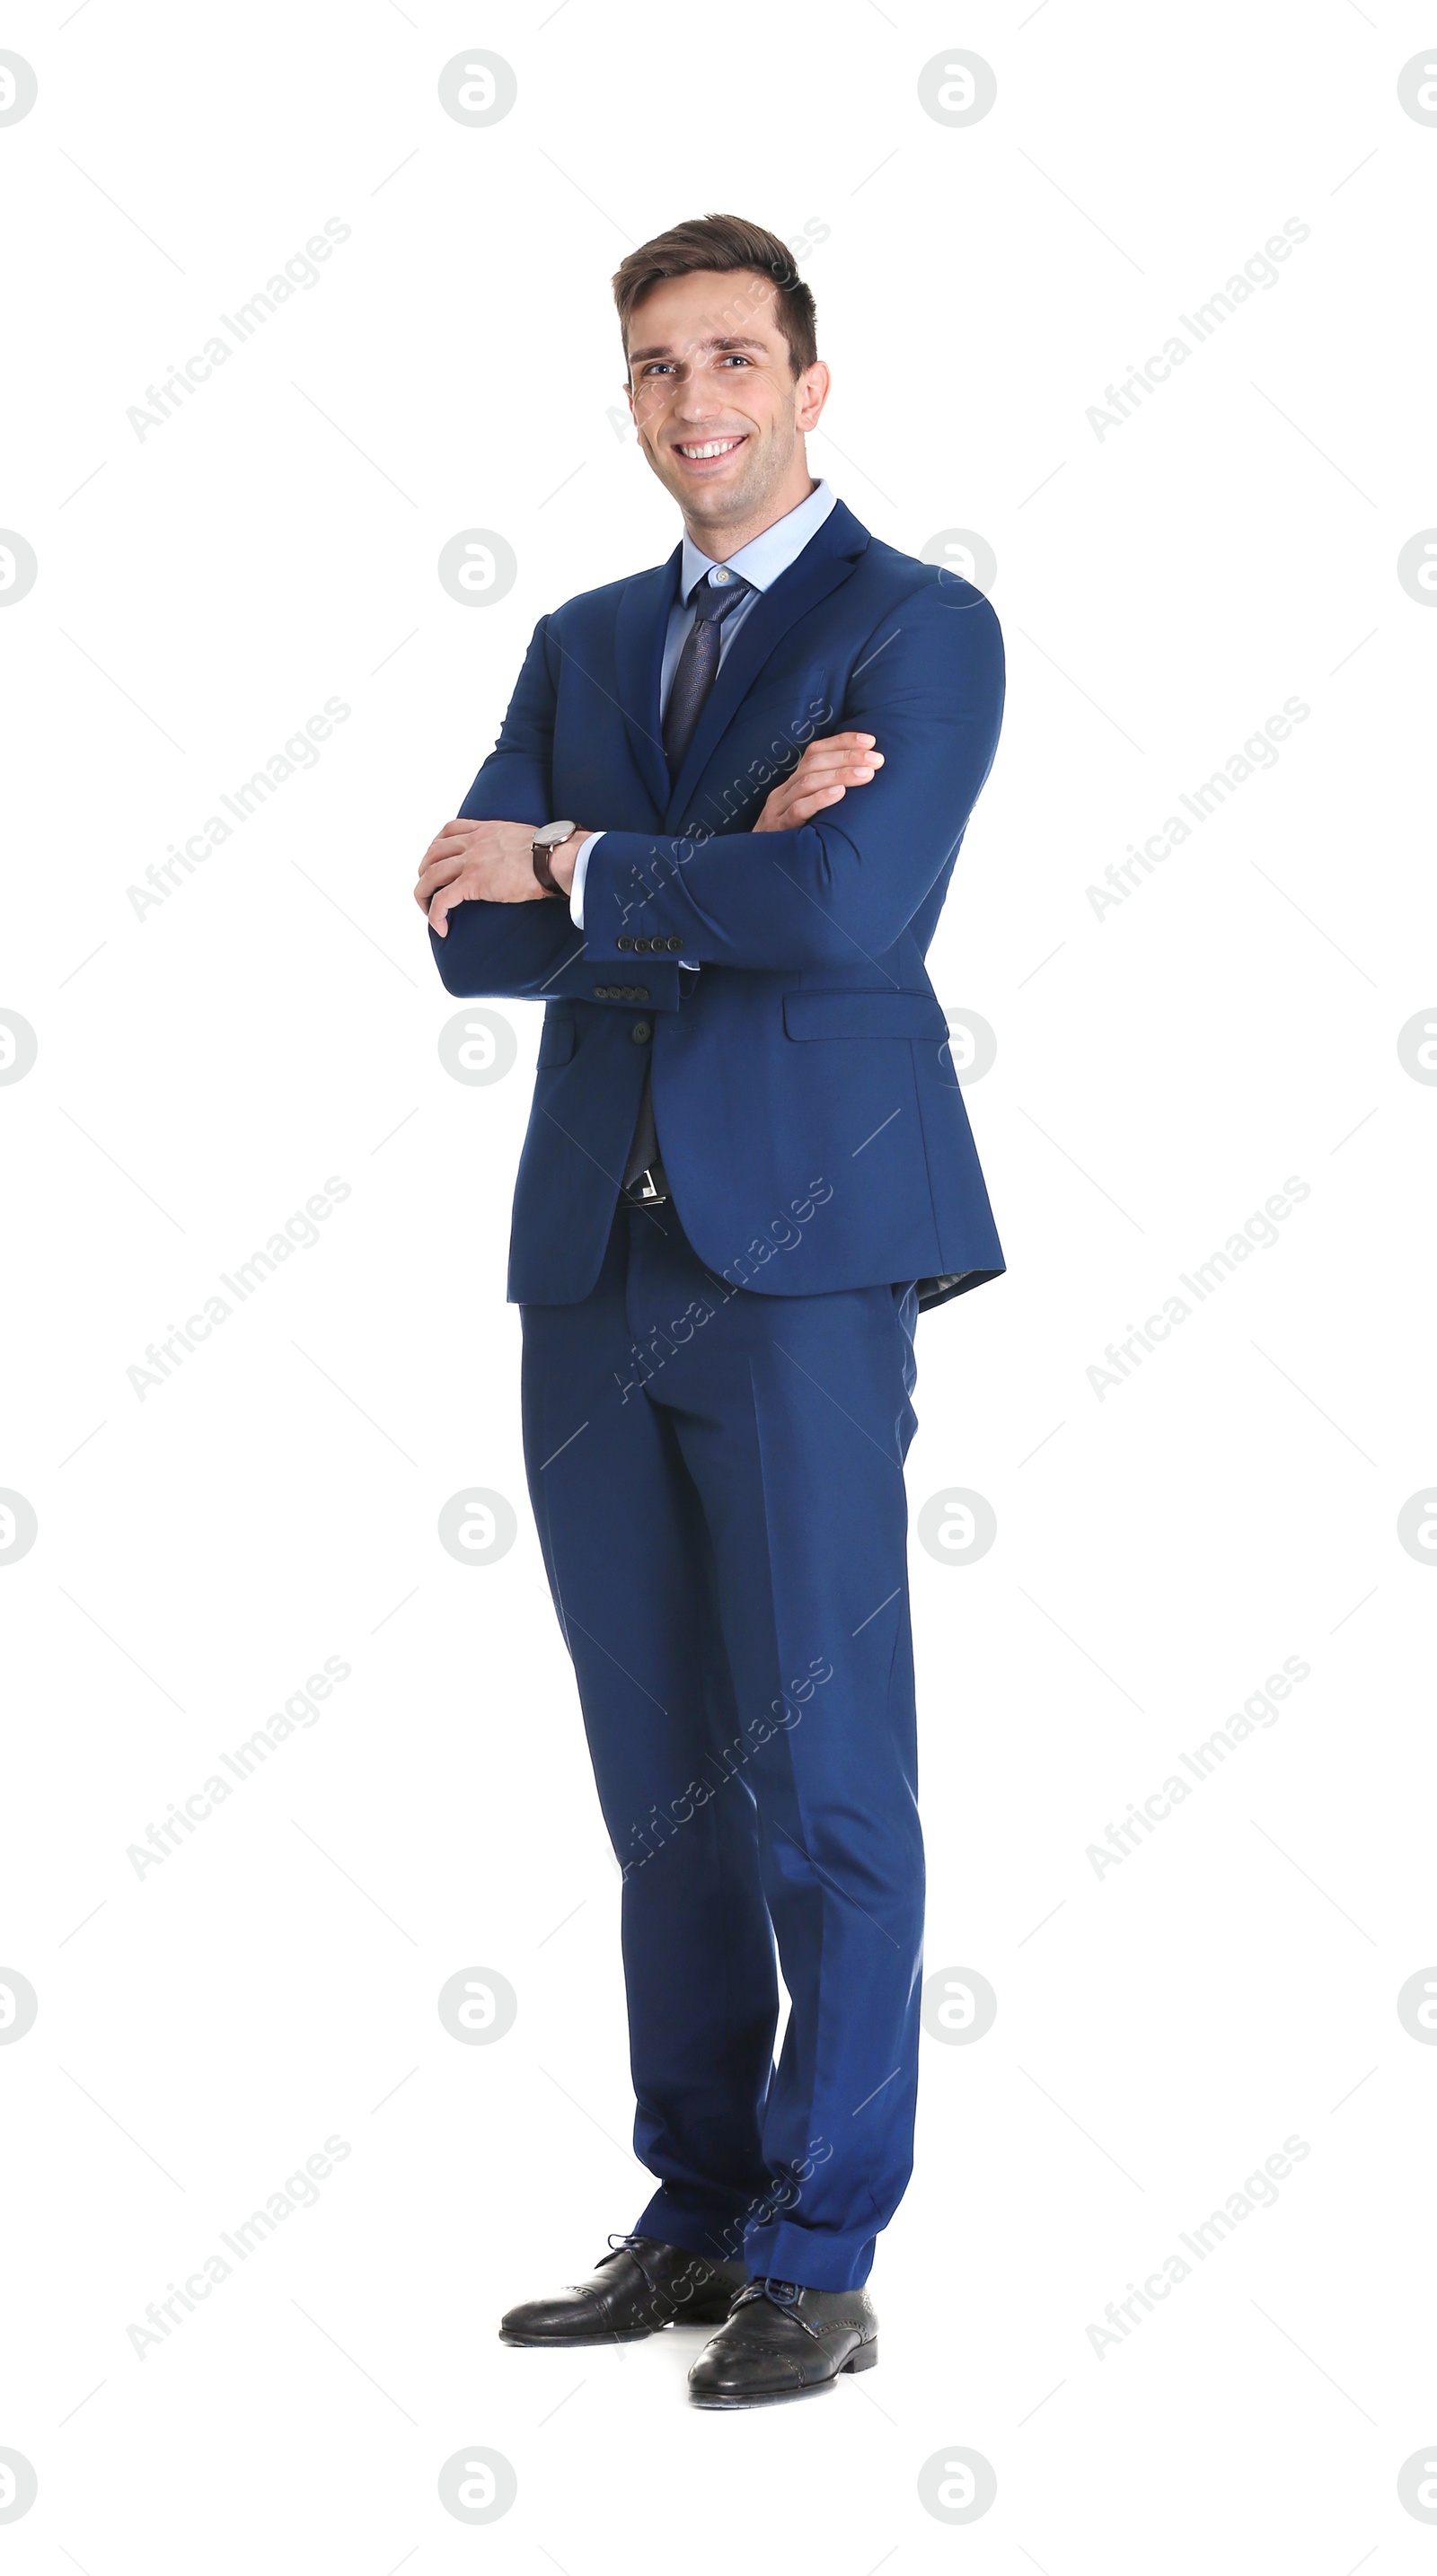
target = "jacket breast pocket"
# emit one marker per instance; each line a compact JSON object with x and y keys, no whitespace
{"x":557,"y":1039}
{"x":879,"y":1014}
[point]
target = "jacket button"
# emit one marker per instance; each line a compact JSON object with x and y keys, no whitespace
{"x":623,"y":943}
{"x":641,"y":1032}
{"x":641,"y":947}
{"x":601,"y":992}
{"x":676,"y":943}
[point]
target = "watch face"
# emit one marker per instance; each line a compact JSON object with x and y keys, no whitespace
{"x":553,"y":833}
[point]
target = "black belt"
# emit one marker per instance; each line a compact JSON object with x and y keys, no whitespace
{"x":647,"y":1189}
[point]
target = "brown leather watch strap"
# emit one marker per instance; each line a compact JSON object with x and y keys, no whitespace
{"x":541,"y":853}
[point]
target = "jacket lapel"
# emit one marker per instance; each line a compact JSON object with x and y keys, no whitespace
{"x":826,"y":560}
{"x":640,"y":628}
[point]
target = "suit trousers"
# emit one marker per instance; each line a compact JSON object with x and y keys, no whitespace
{"x":717,"y":1478}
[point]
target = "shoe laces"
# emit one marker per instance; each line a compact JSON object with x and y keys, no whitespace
{"x":629,"y":2245}
{"x":784,"y":2295}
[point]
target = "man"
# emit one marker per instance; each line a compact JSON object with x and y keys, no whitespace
{"x":715,"y":837}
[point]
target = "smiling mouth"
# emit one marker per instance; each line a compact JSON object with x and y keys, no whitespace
{"x":696,"y":451}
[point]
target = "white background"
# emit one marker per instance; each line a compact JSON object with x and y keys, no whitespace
{"x":203,"y":1068}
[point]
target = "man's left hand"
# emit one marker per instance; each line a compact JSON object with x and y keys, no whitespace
{"x":469,"y":862}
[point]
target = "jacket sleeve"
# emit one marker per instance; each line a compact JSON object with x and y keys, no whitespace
{"x":524,"y":950}
{"x":929,"y":686}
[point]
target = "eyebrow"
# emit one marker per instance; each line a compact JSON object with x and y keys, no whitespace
{"x":728,"y":341}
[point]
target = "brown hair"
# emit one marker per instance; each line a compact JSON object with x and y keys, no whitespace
{"x":725,"y":243}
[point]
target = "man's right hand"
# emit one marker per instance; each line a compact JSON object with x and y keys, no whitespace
{"x":476,"y":862}
{"x":825,"y":773}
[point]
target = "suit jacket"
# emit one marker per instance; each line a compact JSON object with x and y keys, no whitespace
{"x":810,"y":1122}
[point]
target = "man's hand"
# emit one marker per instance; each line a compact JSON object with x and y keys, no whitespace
{"x":827,"y":770}
{"x":486,"y":863}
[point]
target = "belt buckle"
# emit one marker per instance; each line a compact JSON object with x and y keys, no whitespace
{"x":647,"y":1188}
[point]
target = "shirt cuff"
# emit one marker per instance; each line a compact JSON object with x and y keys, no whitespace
{"x":581,"y":870}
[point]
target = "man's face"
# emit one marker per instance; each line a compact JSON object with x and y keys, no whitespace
{"x":719,"y":411}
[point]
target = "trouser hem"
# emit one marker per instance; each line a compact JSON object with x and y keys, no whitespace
{"x":816,"y":2261}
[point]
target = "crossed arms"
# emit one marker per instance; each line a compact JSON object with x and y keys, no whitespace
{"x":795,"y":891}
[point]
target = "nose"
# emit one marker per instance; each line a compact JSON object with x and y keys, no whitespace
{"x":698,"y":398}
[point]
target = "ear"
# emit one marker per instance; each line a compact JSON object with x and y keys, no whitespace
{"x":813,"y":387}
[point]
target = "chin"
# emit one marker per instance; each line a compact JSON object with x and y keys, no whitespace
{"x":709,"y":502}
{"x":718,"y":503}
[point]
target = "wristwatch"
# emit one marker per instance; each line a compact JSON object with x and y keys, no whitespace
{"x":545,"y":840}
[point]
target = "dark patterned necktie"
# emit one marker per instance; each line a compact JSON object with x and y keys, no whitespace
{"x":716,"y":598}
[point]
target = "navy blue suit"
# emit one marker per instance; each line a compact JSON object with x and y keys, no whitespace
{"x":812,"y":1026}
{"x":717,"y":1390}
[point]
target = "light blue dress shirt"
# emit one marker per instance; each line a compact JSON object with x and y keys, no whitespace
{"x":759,"y":562}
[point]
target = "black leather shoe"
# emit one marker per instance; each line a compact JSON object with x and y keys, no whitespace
{"x":640,"y":2287}
{"x":783,"y":2341}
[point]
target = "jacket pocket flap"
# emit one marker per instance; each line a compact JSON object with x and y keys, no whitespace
{"x":557,"y":1039}
{"x":864,"y":1015}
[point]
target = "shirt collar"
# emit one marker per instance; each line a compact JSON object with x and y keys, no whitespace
{"x":765,"y":556}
